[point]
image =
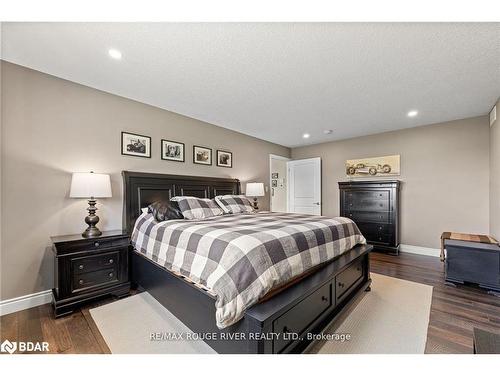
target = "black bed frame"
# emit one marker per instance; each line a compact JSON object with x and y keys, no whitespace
{"x":283,"y":323}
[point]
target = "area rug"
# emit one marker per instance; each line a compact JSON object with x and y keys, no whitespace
{"x":392,"y":318}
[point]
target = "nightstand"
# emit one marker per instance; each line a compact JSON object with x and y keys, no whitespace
{"x":89,"y":268}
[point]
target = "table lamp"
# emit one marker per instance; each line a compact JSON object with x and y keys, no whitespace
{"x":255,"y":189}
{"x":90,"y":185}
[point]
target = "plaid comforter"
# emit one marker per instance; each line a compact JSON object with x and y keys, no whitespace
{"x":242,"y":257}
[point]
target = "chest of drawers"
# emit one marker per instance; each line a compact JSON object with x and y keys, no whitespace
{"x":374,"y":207}
{"x":88,"y":268}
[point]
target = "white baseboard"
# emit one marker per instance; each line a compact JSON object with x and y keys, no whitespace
{"x":25,"y":302}
{"x":429,"y":251}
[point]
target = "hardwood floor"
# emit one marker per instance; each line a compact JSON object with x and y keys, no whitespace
{"x":454,"y":312}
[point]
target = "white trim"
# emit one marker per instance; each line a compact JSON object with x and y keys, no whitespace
{"x":429,"y":251}
{"x":277,"y":157}
{"x":25,"y":302}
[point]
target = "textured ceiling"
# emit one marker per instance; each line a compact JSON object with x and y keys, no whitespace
{"x":276,"y":81}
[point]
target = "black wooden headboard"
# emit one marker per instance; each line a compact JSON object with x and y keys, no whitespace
{"x":142,"y":189}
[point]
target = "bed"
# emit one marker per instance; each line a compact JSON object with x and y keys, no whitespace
{"x":285,"y":317}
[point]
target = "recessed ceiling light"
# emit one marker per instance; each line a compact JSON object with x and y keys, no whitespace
{"x":115,"y":54}
{"x":412,"y":113}
{"x":329,"y":131}
{"x":306,"y":135}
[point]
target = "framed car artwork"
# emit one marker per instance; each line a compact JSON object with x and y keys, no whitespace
{"x":224,"y":159}
{"x":136,"y":145}
{"x":172,"y":150}
{"x":202,"y":155}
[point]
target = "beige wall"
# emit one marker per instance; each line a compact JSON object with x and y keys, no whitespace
{"x":52,"y":127}
{"x":495,"y":176}
{"x":444,"y":169}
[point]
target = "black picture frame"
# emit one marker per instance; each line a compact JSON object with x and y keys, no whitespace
{"x":217,"y":159}
{"x":163,"y":157}
{"x":128,"y":152}
{"x":195,"y":147}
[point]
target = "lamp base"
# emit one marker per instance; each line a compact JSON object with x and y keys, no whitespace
{"x":255,"y":206}
{"x":91,"y":232}
{"x":92,"y":219}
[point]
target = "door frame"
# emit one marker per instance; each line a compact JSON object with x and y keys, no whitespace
{"x":320,"y":182}
{"x":277,"y":157}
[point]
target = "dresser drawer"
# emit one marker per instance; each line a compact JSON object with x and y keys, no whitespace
{"x":380,"y":239}
{"x":374,"y":229}
{"x":86,"y":264}
{"x":299,"y":317}
{"x":368,"y":205}
{"x":94,"y":279}
{"x":363,"y":196}
{"x":347,"y":278}
{"x":371,"y":217}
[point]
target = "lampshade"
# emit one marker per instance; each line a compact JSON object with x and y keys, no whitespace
{"x":255,"y":189}
{"x":87,"y":185}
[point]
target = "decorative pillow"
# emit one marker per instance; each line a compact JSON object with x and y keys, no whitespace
{"x":197,"y":208}
{"x":234,"y":204}
{"x":165,"y":210}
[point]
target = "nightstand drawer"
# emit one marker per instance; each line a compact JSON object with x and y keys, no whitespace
{"x":86,"y":264}
{"x":94,"y":279}
{"x":95,"y":244}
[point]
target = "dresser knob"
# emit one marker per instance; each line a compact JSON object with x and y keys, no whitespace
{"x":80,"y":281}
{"x":324,"y":299}
{"x":110,"y":274}
{"x":80,"y":267}
{"x":96,"y":244}
{"x":341,"y":284}
{"x":111,"y":261}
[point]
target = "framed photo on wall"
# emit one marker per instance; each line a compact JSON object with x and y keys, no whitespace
{"x":136,"y":145}
{"x":224,"y":159}
{"x":202,"y":155}
{"x":171,"y":150}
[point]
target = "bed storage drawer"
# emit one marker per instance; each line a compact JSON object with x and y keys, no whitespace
{"x":347,"y":278}
{"x":299,"y":317}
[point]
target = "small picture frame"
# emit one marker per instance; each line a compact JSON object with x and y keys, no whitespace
{"x":136,"y":145}
{"x":172,"y":150}
{"x":202,"y":155}
{"x":224,"y":159}
{"x":274,"y":183}
{"x":274,"y":176}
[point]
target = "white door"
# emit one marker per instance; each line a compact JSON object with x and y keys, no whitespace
{"x":304,"y":190}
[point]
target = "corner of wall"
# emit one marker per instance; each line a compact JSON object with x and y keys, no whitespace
{"x":494,"y":169}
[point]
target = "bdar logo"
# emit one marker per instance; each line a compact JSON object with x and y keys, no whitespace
{"x":8,"y":346}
